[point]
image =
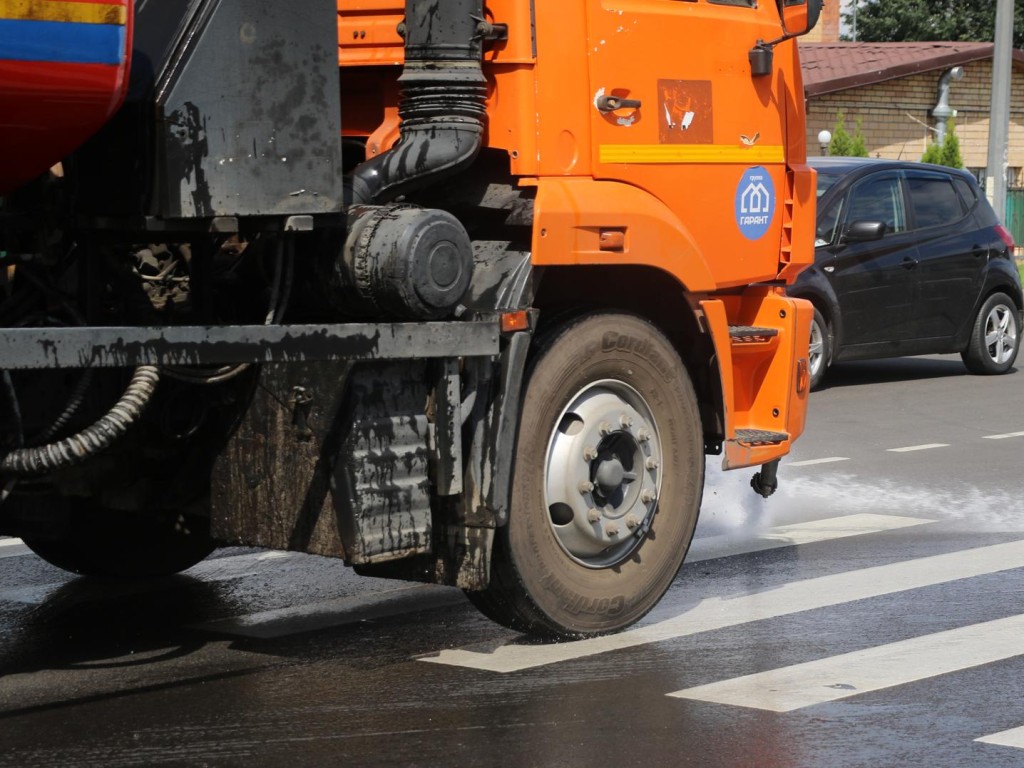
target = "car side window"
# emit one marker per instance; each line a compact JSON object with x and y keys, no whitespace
{"x":879,"y":199}
{"x":934,"y":201}
{"x":828,"y":222}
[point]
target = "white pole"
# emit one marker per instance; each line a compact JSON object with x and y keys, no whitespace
{"x":999,"y":119}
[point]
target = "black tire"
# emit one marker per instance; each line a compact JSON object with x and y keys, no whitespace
{"x":607,"y":401}
{"x":994,"y":338}
{"x":820,"y":349}
{"x":123,"y":545}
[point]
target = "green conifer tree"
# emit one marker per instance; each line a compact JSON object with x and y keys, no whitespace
{"x":841,"y":143}
{"x":845,"y":145}
{"x":951,"y":147}
{"x":948,"y":152}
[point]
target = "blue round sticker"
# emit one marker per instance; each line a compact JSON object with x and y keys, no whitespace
{"x":755,"y":203}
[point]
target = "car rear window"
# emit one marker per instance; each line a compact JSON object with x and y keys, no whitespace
{"x":967,"y":193}
{"x":934,"y":201}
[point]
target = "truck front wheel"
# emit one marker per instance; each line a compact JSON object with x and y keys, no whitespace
{"x":608,"y":476}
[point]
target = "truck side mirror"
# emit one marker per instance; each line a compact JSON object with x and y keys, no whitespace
{"x":799,"y":16}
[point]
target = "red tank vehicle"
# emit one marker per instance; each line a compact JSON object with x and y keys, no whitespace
{"x":459,"y":292}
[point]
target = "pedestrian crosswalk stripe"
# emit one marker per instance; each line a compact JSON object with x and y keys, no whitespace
{"x":809,"y":532}
{"x":1004,"y":436}
{"x":212,"y":570}
{"x":324,"y":614}
{"x":812,"y":462}
{"x":1011,"y":738}
{"x":873,"y":669}
{"x":723,"y":612}
{"x":13,"y":548}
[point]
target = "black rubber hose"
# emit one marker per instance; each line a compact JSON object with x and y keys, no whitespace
{"x":91,"y":440}
{"x":442,"y":106}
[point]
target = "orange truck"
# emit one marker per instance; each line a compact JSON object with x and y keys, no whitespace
{"x":460,"y":292}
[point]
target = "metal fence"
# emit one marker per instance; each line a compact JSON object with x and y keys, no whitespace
{"x":1015,"y":216}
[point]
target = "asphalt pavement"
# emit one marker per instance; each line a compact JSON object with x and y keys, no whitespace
{"x":869,"y":614}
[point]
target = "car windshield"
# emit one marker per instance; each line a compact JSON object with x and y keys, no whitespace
{"x":825,"y":180}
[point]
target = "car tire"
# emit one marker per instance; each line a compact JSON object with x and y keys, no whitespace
{"x":607,"y":483}
{"x":820,"y":349}
{"x":995,"y":337}
{"x":125,"y":545}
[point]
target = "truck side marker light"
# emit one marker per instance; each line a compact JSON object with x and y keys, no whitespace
{"x":514,"y":321}
{"x":803,"y":376}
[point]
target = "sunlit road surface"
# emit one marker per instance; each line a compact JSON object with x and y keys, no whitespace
{"x":869,"y":614}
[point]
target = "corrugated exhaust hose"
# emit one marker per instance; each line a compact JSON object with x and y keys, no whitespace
{"x":443,"y":102}
{"x":94,"y":438}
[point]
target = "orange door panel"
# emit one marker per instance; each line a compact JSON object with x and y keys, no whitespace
{"x":677,"y":112}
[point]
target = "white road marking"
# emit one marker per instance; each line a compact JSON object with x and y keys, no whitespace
{"x":726,"y":544}
{"x":872,"y":669}
{"x":332,"y":613}
{"x":13,"y":548}
{"x":723,"y":612}
{"x":812,"y":462}
{"x":1003,"y":437}
{"x":1011,"y":738}
{"x":212,"y":570}
{"x":925,"y":447}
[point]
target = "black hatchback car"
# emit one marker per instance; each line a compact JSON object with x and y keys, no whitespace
{"x":910,"y":259}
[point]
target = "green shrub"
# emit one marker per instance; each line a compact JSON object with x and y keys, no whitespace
{"x":948,"y":152}
{"x":845,"y":145}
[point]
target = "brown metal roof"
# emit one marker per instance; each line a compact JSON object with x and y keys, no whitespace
{"x":830,"y":67}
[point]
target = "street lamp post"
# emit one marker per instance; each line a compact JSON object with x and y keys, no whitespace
{"x":824,"y":139}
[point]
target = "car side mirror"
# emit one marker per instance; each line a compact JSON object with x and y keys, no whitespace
{"x":864,"y":231}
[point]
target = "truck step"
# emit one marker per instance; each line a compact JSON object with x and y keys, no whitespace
{"x":760,"y":437}
{"x":749,"y":334}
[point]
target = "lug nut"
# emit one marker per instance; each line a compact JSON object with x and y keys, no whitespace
{"x":632,"y":521}
{"x":625,"y":422}
{"x":611,"y":529}
{"x":589,"y":453}
{"x":605,"y":429}
{"x":586,"y":487}
{"x":593,"y":515}
{"x":652,"y":463}
{"x":643,"y":435}
{"x":647,"y":497}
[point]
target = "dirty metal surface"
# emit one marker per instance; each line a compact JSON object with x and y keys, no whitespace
{"x":93,"y":347}
{"x":330,"y":459}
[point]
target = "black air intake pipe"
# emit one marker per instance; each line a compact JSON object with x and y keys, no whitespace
{"x":442,"y":105}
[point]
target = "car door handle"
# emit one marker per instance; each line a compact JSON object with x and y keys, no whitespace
{"x":908,"y":263}
{"x":978,"y":251}
{"x":612,"y":103}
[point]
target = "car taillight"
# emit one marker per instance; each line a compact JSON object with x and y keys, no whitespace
{"x":1005,"y":236}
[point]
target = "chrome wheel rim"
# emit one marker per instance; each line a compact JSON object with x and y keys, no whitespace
{"x":602,"y":474}
{"x":817,"y":348}
{"x":1000,"y":334}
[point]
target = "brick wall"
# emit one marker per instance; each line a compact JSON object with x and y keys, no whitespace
{"x":895,"y":113}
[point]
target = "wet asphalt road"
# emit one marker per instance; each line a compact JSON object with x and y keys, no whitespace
{"x":877,"y":598}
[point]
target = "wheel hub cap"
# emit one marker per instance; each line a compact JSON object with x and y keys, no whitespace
{"x":602,"y":475}
{"x":1000,"y":334}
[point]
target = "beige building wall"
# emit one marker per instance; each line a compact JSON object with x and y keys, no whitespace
{"x":827,"y":28}
{"x":895,"y":116}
